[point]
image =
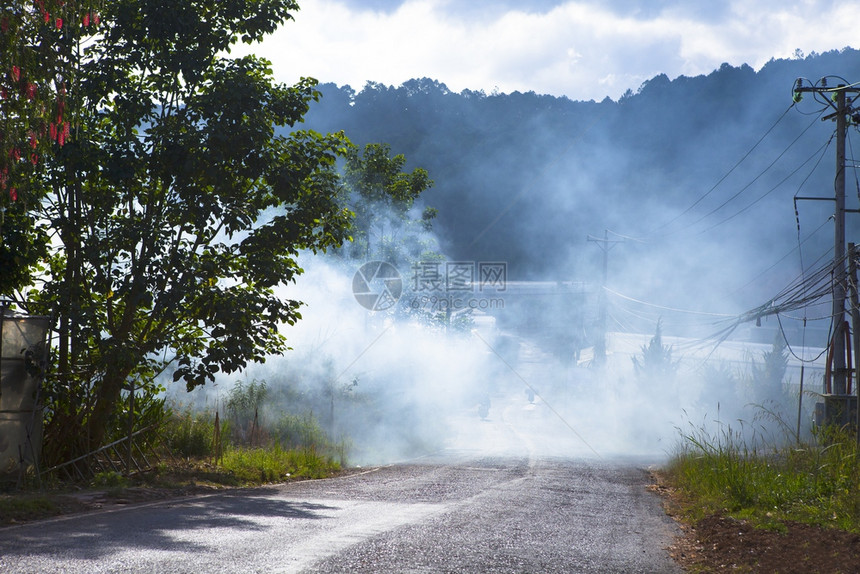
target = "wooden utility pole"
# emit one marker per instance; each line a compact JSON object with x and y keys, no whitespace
{"x":837,"y":98}
{"x":840,"y":374}
{"x":600,"y":345}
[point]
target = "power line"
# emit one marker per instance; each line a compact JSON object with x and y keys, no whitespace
{"x":756,"y":178}
{"x":726,"y":175}
{"x":781,"y":259}
{"x":664,"y":308}
{"x":768,"y":192}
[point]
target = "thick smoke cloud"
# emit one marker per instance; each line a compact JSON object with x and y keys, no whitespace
{"x":392,"y":387}
{"x":695,"y":179}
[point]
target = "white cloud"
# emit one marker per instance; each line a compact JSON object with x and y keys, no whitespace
{"x":581,"y":49}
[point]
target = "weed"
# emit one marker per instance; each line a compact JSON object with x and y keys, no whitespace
{"x":111,"y":479}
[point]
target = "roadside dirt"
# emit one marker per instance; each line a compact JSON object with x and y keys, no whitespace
{"x":723,"y":544}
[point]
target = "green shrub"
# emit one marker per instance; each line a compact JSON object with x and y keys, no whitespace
{"x":110,"y":479}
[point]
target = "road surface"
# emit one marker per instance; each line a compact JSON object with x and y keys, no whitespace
{"x":460,"y":510}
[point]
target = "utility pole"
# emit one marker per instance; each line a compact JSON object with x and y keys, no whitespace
{"x":839,"y":360}
{"x":600,"y":346}
{"x":837,"y":98}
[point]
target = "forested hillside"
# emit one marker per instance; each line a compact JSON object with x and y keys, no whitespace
{"x":699,"y":174}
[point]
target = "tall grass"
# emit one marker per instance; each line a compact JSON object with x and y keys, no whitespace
{"x":293,"y":447}
{"x":750,"y":472}
{"x":191,"y":434}
{"x":273,"y":464}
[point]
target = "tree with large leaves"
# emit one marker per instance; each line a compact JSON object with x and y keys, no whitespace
{"x":178,"y":212}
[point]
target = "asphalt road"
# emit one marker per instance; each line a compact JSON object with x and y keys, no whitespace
{"x":478,"y":506}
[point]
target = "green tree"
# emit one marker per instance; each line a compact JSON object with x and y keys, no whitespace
{"x":720,"y":389}
{"x":177,"y":209}
{"x":656,"y":363}
{"x":382,"y":196}
{"x":37,"y":39}
{"x":767,"y":376}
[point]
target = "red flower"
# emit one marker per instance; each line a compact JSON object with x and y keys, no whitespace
{"x":96,"y":18}
{"x":47,"y":17}
{"x":34,"y":158}
{"x":13,"y":193}
{"x":59,"y":23}
{"x":16,"y":73}
{"x":33,"y":141}
{"x":31,"y":90}
{"x":86,"y":19}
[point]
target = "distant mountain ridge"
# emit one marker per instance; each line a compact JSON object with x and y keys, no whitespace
{"x":703,"y":170}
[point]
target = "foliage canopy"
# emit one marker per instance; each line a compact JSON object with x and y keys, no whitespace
{"x":177,"y":210}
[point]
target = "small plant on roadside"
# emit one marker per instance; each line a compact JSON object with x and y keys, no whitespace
{"x":110,"y":479}
{"x":243,"y":407}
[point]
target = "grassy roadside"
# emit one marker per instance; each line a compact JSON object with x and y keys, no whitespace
{"x":247,"y":454}
{"x":745,"y":503}
{"x":247,"y":467}
{"x":740,"y":474}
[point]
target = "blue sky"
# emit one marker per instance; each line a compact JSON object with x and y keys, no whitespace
{"x":582,"y":49}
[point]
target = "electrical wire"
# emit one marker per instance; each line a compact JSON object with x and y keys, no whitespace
{"x":622,"y":236}
{"x":796,"y":212}
{"x":854,"y":165}
{"x":819,"y":111}
{"x":810,"y":288}
{"x":818,"y":89}
{"x":799,"y":294}
{"x":726,"y":175}
{"x":664,"y":308}
{"x":756,"y":178}
{"x":821,"y":149}
{"x":791,"y":350}
{"x":641,"y":317}
{"x":807,"y":289}
{"x":781,"y":259}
